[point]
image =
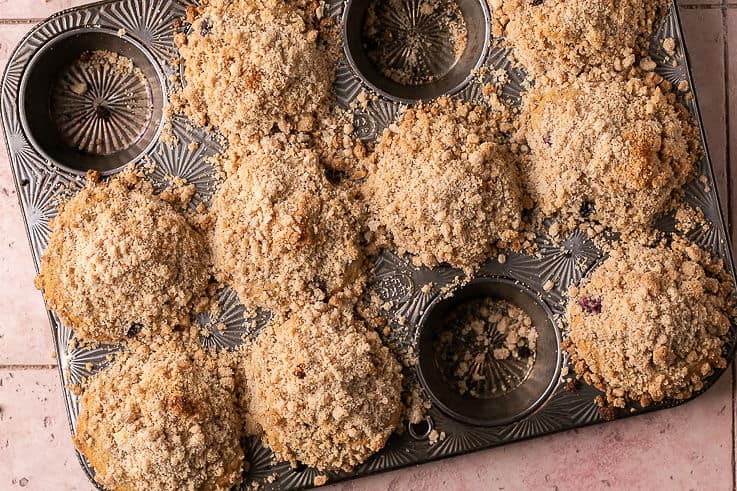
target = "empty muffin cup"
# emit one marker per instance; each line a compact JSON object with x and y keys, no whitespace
{"x":410,"y":50}
{"x":92,"y":99}
{"x":499,"y":364}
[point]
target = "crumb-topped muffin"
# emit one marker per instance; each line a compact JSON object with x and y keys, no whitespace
{"x":559,"y":39}
{"x":121,"y":260}
{"x":282,"y":235}
{"x":650,"y":322}
{"x":251,"y":65}
{"x":162,"y":420}
{"x":323,"y":389}
{"x":612,"y":152}
{"x":442,"y":187}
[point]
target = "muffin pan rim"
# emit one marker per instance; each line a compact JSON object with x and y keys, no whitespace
{"x":550,"y":385}
{"x":36,"y":58}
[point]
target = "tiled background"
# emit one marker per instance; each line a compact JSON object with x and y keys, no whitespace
{"x":689,"y":447}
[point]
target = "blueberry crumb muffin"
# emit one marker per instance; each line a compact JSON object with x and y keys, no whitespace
{"x":162,"y":420}
{"x":122,"y":261}
{"x":650,"y":322}
{"x":323,"y":389}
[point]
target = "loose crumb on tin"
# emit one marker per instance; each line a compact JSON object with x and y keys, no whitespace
{"x":414,"y":44}
{"x":481,"y":335}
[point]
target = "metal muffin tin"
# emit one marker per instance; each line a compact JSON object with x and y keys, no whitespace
{"x":45,"y":167}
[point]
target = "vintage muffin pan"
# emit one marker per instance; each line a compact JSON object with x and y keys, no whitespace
{"x":54,"y":134}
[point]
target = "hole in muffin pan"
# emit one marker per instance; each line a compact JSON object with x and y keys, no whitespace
{"x":523,"y":389}
{"x":405,"y":50}
{"x":420,"y":430}
{"x":81,"y":115}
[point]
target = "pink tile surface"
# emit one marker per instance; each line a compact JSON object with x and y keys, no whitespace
{"x":705,"y":43}
{"x":35,"y":9}
{"x":35,"y":448}
{"x":689,"y":447}
{"x":10,"y":36}
{"x":25,"y":336}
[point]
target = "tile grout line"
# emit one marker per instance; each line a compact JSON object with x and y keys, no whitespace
{"x":21,"y":367}
{"x":23,"y":21}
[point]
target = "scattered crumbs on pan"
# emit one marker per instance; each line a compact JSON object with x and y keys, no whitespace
{"x":417,"y":43}
{"x":487,"y":349}
{"x":106,"y":95}
{"x":669,"y":46}
{"x":690,"y":219}
{"x":435,"y":436}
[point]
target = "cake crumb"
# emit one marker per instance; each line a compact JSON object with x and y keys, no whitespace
{"x":669,"y":45}
{"x":647,"y":64}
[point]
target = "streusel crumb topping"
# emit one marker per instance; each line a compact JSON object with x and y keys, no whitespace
{"x":253,"y":65}
{"x":121,"y":260}
{"x":282,"y":235}
{"x":443,"y":187}
{"x":162,"y":420}
{"x":324,"y":389}
{"x":612,"y":152}
{"x":559,"y":39}
{"x":650,"y":322}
